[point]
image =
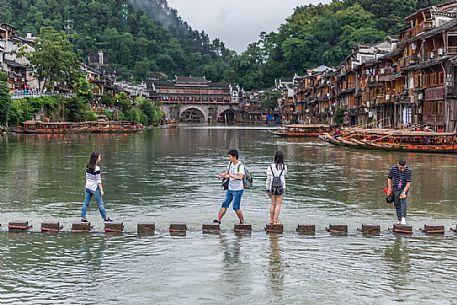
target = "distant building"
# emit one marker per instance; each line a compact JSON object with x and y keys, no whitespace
{"x":20,"y":76}
{"x":195,"y":99}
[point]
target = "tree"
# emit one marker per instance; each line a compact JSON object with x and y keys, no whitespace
{"x":270,"y":99}
{"x":84,"y":89}
{"x":338,"y":117}
{"x":123,"y":100}
{"x":5,"y":100}
{"x":152,"y":111}
{"x":54,"y":60}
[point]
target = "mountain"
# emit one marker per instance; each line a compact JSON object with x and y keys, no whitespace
{"x":140,"y":38}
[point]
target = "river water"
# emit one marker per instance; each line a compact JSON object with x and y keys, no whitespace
{"x":168,"y":175}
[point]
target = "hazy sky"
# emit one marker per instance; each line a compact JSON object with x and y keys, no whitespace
{"x":236,"y":22}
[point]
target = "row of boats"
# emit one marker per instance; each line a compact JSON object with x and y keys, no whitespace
{"x":39,"y":127}
{"x":377,"y":139}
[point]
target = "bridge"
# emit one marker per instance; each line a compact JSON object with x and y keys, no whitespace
{"x":194,"y":99}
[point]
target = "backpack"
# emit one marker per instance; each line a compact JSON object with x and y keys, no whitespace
{"x":248,"y":179}
{"x":276,"y":183}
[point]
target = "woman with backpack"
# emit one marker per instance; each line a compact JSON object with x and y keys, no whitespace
{"x":276,"y":185}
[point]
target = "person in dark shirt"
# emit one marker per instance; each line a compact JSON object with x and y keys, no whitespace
{"x":398,"y":184}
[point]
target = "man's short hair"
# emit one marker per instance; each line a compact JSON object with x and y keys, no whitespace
{"x":402,"y":162}
{"x":234,"y":153}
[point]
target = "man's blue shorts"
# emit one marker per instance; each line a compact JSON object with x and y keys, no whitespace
{"x":235,"y":196}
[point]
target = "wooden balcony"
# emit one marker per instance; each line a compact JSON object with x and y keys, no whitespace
{"x":434,"y":119}
{"x":434,"y":94}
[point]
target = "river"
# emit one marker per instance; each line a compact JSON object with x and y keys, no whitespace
{"x":169,"y":175}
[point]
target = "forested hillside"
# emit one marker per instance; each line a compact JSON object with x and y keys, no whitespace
{"x":146,"y":37}
{"x":139,"y":38}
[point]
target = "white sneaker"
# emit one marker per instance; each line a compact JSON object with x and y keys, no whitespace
{"x":403,"y":221}
{"x":399,"y":222}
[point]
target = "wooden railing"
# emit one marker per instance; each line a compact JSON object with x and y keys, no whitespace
{"x":434,"y":94}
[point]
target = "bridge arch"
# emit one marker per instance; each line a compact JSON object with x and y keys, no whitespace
{"x":193,"y":113}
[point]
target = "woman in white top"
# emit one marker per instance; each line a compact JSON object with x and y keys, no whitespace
{"x":94,"y":187}
{"x":276,"y":185}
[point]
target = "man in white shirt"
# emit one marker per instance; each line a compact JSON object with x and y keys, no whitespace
{"x":235,"y":173}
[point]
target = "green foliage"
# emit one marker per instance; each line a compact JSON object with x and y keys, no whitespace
{"x":108,"y":99}
{"x":5,"y":102}
{"x":270,"y":99}
{"x":154,"y":40}
{"x":91,"y":116}
{"x":23,"y":109}
{"x":109,"y":114}
{"x":122,"y":99}
{"x":54,"y":59}
{"x":152,"y":111}
{"x":77,"y":109}
{"x":84,"y":89}
{"x":338,"y":117}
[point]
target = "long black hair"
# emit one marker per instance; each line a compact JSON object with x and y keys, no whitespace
{"x":279,"y":160}
{"x":93,"y":161}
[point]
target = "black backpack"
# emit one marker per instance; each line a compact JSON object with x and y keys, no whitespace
{"x":276,"y":183}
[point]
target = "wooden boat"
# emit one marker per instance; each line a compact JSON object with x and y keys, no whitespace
{"x":395,"y":140}
{"x":38,"y":127}
{"x":301,"y":130}
{"x":417,"y":141}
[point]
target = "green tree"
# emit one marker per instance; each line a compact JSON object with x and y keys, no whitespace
{"x":54,"y":60}
{"x":152,"y":111}
{"x":76,"y":109}
{"x":338,"y":117}
{"x":5,"y":102}
{"x":270,"y":99}
{"x":123,"y":101}
{"x":84,"y":89}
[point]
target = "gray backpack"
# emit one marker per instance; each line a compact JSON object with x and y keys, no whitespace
{"x":276,"y":184}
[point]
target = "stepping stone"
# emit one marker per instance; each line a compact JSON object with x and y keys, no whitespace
{"x":274,"y":228}
{"x":403,"y":229}
{"x":211,"y":228}
{"x":337,"y":229}
{"x":306,"y":229}
{"x":78,"y":227}
{"x":178,"y":229}
{"x":242,"y":228}
{"x":114,"y":227}
{"x":433,"y":229}
{"x":51,"y":227}
{"x":18,"y":226}
{"x":146,"y":228}
{"x":370,"y":229}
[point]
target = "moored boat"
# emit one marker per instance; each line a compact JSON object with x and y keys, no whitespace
{"x":395,"y":140}
{"x":301,"y":130}
{"x":39,"y":127}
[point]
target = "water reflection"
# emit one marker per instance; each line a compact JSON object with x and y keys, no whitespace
{"x":398,"y":260}
{"x":275,"y":267}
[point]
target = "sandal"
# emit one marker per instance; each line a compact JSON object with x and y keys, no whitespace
{"x":216,"y":221}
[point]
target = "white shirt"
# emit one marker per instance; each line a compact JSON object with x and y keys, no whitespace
{"x":276,"y":173}
{"x":236,"y":184}
{"x":93,"y":178}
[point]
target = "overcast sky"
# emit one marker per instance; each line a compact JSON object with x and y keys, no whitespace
{"x":236,"y":22}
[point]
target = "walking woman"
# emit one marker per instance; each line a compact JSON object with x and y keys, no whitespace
{"x":276,"y":185}
{"x":94,"y":187}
